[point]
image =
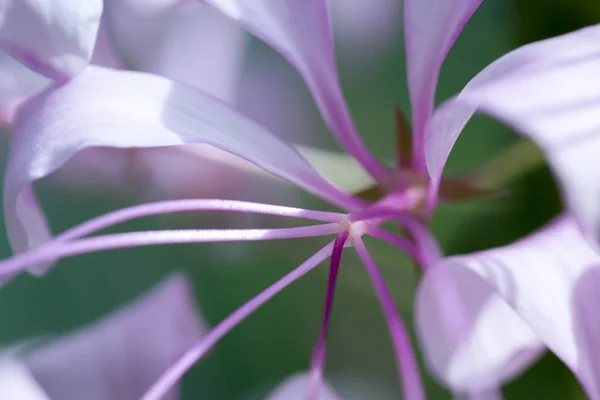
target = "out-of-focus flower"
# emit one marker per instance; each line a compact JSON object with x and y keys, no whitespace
{"x":123,"y":109}
{"x":116,"y":358}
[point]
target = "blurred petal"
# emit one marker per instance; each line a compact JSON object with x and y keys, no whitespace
{"x":121,"y":109}
{"x":59,"y":36}
{"x":366,"y":28}
{"x":17,"y":383}
{"x":294,"y":388}
{"x":430,"y":29}
{"x":301,"y":31}
{"x":188,"y":42}
{"x":548,"y":91}
{"x":119,"y":357}
{"x":548,"y":279}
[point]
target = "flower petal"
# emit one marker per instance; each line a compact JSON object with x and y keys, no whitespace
{"x":549,"y":280}
{"x":471,"y":340}
{"x":189,"y":42}
{"x":301,"y":31}
{"x":122,"y":109}
{"x":548,"y":91}
{"x":16,"y":382}
{"x":119,"y":357}
{"x":59,"y":38}
{"x":295,"y":388}
{"x":430,"y":29}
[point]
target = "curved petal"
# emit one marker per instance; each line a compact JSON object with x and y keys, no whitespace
{"x":301,"y":31}
{"x":54,"y":38}
{"x":122,"y":109}
{"x":119,"y":357}
{"x":295,"y":388}
{"x":550,"y":282}
{"x":548,"y":91}
{"x":471,"y":340}
{"x":430,"y":29}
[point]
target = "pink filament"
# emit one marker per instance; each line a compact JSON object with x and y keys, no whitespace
{"x":394,"y":240}
{"x":319,"y":353}
{"x":407,"y":365}
{"x":56,"y":249}
{"x":177,"y":370}
{"x":173,"y":206}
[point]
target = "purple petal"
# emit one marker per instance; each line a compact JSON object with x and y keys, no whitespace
{"x":547,"y":91}
{"x":430,"y":28}
{"x":119,"y":357}
{"x":295,"y":388}
{"x":16,"y":382}
{"x":59,"y":36}
{"x":301,"y":31}
{"x":121,"y":109}
{"x":547,"y":281}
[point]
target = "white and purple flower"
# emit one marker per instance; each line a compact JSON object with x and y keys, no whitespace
{"x":481,"y":318}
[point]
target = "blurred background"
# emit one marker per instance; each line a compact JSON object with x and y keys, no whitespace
{"x":277,"y":341}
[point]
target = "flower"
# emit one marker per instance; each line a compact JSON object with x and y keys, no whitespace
{"x":121,"y":109}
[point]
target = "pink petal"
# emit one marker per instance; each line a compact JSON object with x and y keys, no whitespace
{"x":121,"y":356}
{"x":53,"y":37}
{"x":122,"y":109}
{"x":16,"y":382}
{"x":430,"y":28}
{"x":295,"y":388}
{"x":547,"y":91}
{"x":549,"y":280}
{"x":301,"y":31}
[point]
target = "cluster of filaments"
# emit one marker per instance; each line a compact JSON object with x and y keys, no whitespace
{"x":347,"y":228}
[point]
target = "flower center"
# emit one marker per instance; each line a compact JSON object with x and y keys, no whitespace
{"x":355,"y":230}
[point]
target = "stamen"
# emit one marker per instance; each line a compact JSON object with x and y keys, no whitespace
{"x":394,"y":240}
{"x":407,"y":365}
{"x":174,"y":206}
{"x":319,"y":353}
{"x":181,"y":366}
{"x":55,"y":250}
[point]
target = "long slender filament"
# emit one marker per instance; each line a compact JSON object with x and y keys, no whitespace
{"x":174,"y":206}
{"x":407,"y":365}
{"x":54,"y":250}
{"x":319,"y":353}
{"x":177,"y":370}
